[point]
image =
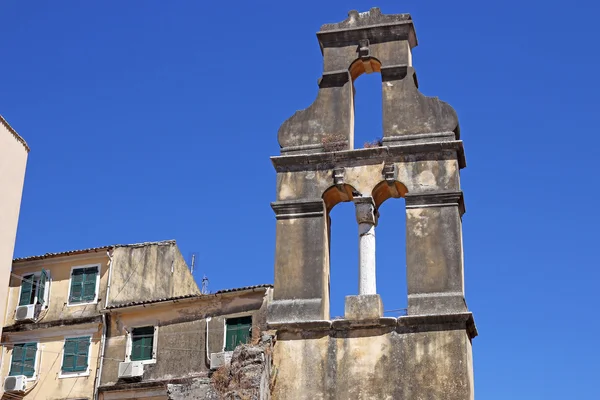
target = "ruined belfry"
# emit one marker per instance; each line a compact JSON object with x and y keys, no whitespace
{"x":425,"y":354}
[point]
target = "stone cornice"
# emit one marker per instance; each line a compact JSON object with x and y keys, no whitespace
{"x":404,"y":324}
{"x":436,"y":199}
{"x":289,"y":209}
{"x":374,"y":155}
{"x":14,"y":133}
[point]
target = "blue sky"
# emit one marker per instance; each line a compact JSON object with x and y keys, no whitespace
{"x":153,"y":120}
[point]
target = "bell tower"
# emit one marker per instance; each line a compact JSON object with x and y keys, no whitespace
{"x":427,"y":353}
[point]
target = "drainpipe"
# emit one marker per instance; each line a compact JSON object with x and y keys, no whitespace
{"x":101,"y":357}
{"x":207,"y":354}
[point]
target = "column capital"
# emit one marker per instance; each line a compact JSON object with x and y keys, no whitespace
{"x":436,"y":199}
{"x":366,"y":212}
{"x":288,"y":209}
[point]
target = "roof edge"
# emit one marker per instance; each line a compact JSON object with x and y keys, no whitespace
{"x":92,"y":250}
{"x":15,"y":134}
{"x":189,"y":297}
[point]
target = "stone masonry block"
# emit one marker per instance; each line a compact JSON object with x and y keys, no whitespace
{"x":366,"y":306}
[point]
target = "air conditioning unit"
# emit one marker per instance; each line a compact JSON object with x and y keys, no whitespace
{"x":25,"y":313}
{"x":219,"y":359}
{"x":15,"y":383}
{"x":131,"y":369}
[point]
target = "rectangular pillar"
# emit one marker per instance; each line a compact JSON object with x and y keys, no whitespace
{"x":434,"y":255}
{"x":301,"y":290}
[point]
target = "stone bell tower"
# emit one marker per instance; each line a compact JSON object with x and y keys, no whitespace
{"x":427,"y":353}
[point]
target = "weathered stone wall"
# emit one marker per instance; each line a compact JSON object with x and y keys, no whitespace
{"x":402,"y":359}
{"x":149,"y":272}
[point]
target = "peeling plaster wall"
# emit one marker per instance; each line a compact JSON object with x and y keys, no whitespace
{"x":149,"y":272}
{"x":181,"y":345}
{"x":366,"y":365}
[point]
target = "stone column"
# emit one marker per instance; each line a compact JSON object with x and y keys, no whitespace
{"x":434,"y":258}
{"x":366,"y":216}
{"x":367,"y":305}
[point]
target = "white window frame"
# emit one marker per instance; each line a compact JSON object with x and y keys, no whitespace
{"x":38,"y":356}
{"x":129,"y":344}
{"x":37,"y":275}
{"x":63,"y":374}
{"x":95,"y":301}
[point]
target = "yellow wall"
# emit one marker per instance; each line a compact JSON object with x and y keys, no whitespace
{"x":49,"y":384}
{"x":13,"y":159}
{"x":60,"y":274}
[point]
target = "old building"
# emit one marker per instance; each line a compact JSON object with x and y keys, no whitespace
{"x":13,"y":160}
{"x":164,"y":349}
{"x":53,"y":328}
{"x":426,"y":354}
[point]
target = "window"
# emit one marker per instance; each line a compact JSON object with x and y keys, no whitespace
{"x":34,"y":289}
{"x":84,"y":285}
{"x":75,"y":355}
{"x":237,"y":332}
{"x":23,"y":359}
{"x":142,"y":344}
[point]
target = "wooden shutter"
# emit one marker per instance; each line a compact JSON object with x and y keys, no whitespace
{"x":23,"y":359}
{"x":142,"y":342}
{"x":75,"y":358}
{"x":89,"y":284}
{"x":238,"y":332}
{"x":42,"y":286}
{"x":76,"y":285}
{"x":26,"y":290}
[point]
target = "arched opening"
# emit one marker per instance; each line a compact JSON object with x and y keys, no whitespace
{"x":391,"y":257}
{"x":391,"y":247}
{"x":343,"y":250}
{"x":368,"y":103}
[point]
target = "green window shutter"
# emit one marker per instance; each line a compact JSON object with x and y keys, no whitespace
{"x":23,"y":359}
{"x":142,"y":342}
{"x":42,"y":286}
{"x":76,"y":286}
{"x":26,"y":290}
{"x":238,"y":332}
{"x":89,"y":284}
{"x":16,"y":364}
{"x":75,"y":357}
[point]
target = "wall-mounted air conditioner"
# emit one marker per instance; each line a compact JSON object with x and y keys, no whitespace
{"x":25,"y":313}
{"x":15,"y":383}
{"x":219,"y":359}
{"x":131,"y":369}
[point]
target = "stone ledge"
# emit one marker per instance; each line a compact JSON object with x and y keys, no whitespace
{"x":408,"y":321}
{"x":310,"y":161}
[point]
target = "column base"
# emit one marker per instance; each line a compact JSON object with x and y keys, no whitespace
{"x":364,"y":306}
{"x":436,"y":303}
{"x":296,"y":310}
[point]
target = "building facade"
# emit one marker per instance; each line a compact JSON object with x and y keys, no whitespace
{"x":13,"y":160}
{"x":54,"y":326}
{"x":166,"y":349}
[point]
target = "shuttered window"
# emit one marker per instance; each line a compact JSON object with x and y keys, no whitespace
{"x":75,"y":354}
{"x":42,"y":286}
{"x":83,"y":285}
{"x":28,"y":286}
{"x":238,"y":332}
{"x":23,"y":359}
{"x":142,"y":343}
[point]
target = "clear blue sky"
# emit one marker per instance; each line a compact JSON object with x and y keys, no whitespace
{"x":153,"y":120}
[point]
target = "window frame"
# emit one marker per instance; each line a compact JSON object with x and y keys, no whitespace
{"x":95,"y":301}
{"x":36,"y":276}
{"x":251,"y":316}
{"x":129,"y":344}
{"x":75,"y":374}
{"x":35,"y":364}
